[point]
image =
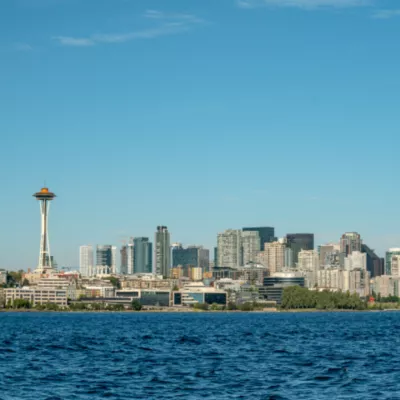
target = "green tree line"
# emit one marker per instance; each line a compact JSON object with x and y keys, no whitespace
{"x":296,"y":297}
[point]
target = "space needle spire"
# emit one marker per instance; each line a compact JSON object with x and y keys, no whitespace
{"x":45,"y":261}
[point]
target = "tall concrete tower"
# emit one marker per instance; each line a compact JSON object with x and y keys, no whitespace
{"x":45,"y":262}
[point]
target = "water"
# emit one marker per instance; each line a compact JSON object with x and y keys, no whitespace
{"x":200,"y":356}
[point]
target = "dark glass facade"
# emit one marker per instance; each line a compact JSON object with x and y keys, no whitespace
{"x":267,"y":234}
{"x":142,"y":256}
{"x":217,"y":298}
{"x":193,"y":256}
{"x":177,"y":299}
{"x":298,"y":242}
{"x":149,"y":298}
{"x":284,"y":280}
{"x":375,"y":264}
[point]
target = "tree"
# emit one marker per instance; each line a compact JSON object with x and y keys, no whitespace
{"x":25,"y":282}
{"x":201,"y":306}
{"x":232,"y":306}
{"x":136,"y":306}
{"x":114,"y":281}
{"x":246,"y":306}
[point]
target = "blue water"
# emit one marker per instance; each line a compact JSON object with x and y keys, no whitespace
{"x":200,"y":356}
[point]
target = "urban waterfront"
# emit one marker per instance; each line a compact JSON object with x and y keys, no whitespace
{"x":192,"y":356}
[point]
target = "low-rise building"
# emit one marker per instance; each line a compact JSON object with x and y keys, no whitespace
{"x":197,"y":293}
{"x":147,"y":297}
{"x":386,"y":285}
{"x":37,"y":296}
{"x":147,"y":281}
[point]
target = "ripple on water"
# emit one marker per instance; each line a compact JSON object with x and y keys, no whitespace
{"x":313,"y":356}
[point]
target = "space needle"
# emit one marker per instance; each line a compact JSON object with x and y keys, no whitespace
{"x":45,"y":262}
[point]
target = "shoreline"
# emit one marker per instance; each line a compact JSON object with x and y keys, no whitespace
{"x":184,"y":311}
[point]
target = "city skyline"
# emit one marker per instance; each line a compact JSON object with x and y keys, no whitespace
{"x":203,"y":116}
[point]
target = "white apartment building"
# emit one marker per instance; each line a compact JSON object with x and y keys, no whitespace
{"x":37,"y":296}
{"x":250,"y":246}
{"x":86,"y":265}
{"x":387,"y":285}
{"x":308,"y":266}
{"x":395,"y":265}
{"x":355,"y":260}
{"x":229,"y":245}
{"x":355,"y":281}
{"x":273,"y":256}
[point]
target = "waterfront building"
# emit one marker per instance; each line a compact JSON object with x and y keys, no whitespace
{"x":146,"y":297}
{"x":387,"y":285}
{"x":37,"y":296}
{"x":106,"y":260}
{"x":162,"y":251}
{"x":45,"y":261}
{"x":266,"y":234}
{"x":298,"y":242}
{"x":197,"y":293}
{"x":194,"y":256}
{"x":86,"y":265}
{"x":147,"y":281}
{"x":388,"y":259}
{"x":349,"y":242}
{"x":275,"y":284}
{"x":143,"y":256}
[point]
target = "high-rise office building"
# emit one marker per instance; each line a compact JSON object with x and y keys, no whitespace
{"x":298,"y":242}
{"x":266,"y":234}
{"x":143,"y":255}
{"x":375,"y":264}
{"x":229,"y":248}
{"x":162,"y":251}
{"x":388,"y":259}
{"x":86,"y":261}
{"x":250,"y":246}
{"x":127,"y":258}
{"x":273,"y":256}
{"x":106,"y":260}
{"x":194,"y":256}
{"x":349,"y":242}
{"x":236,"y":248}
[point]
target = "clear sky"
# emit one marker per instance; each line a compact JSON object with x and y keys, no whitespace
{"x":201,"y":115}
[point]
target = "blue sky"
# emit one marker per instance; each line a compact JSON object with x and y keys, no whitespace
{"x":199,"y":115}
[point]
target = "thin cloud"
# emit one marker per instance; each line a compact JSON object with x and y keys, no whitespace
{"x":305,"y":4}
{"x":71,"y":41}
{"x":167,"y":29}
{"x":386,"y":14}
{"x":23,"y":47}
{"x":170,"y":24}
{"x":161,"y":15}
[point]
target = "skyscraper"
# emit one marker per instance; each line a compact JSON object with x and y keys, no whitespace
{"x":298,"y":242}
{"x":229,"y":248}
{"x":375,"y":264}
{"x":86,"y":261}
{"x":162,"y":251}
{"x":45,"y":197}
{"x":194,"y":256}
{"x":143,"y":255}
{"x":250,"y":246}
{"x":349,"y":242}
{"x":266,"y":234}
{"x":106,"y":260}
{"x":273,"y":256}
